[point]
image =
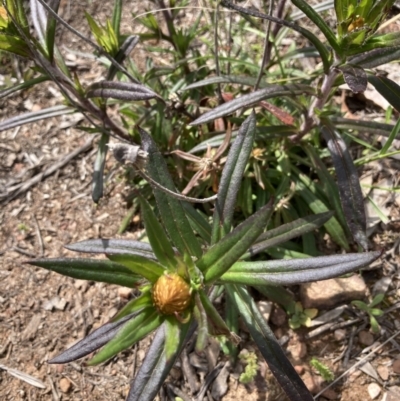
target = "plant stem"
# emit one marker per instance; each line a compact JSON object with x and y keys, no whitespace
{"x":318,"y":103}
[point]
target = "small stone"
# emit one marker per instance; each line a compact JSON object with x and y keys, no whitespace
{"x":383,"y":372}
{"x":81,"y":285}
{"x":330,"y":394}
{"x":328,"y":293}
{"x":340,"y":334}
{"x":299,"y":369}
{"x":311,"y":383}
{"x":65,"y":385}
{"x":297,"y":349}
{"x":124,"y":292}
{"x":278,"y":316}
{"x":374,"y":390}
{"x":365,"y":338}
{"x":265,"y":308}
{"x":396,"y":366}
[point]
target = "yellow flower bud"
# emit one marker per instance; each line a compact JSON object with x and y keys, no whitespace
{"x":171,"y":294}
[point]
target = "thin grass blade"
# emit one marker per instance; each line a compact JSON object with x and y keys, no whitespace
{"x":91,"y":269}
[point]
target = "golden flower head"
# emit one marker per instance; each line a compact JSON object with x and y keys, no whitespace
{"x":171,"y":294}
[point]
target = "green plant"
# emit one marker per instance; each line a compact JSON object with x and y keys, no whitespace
{"x":300,"y":316}
{"x":371,"y":310}
{"x":250,"y":371}
{"x":261,"y":177}
{"x":322,"y":369}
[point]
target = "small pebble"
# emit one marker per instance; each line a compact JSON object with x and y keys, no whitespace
{"x":310,"y":382}
{"x":297,"y":349}
{"x":340,"y":334}
{"x":124,"y":292}
{"x":299,"y":369}
{"x":278,"y":316}
{"x":383,"y":372}
{"x":365,"y":338}
{"x":396,"y":366}
{"x":374,"y":390}
{"x":330,"y":394}
{"x":65,"y":385}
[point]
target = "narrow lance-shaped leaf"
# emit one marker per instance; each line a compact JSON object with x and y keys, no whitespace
{"x":91,"y":269}
{"x":288,"y":231}
{"x":268,"y":345}
{"x":120,"y":90}
{"x":198,"y":222}
{"x":116,"y":16}
{"x":297,"y":271}
{"x":388,"y":89}
{"x":31,"y":117}
{"x":145,"y":300}
{"x":157,"y":237}
{"x":231,"y":178}
{"x":328,"y":184}
{"x":98,"y":170}
{"x":156,"y":366}
{"x":51,"y":30}
{"x":377,"y":57}
{"x":393,"y":134}
{"x":305,"y":189}
{"x":319,"y":22}
{"x":21,"y":86}
{"x":171,"y":210}
{"x":113,"y":246}
{"x":172,"y":340}
{"x":133,"y":331}
{"x":92,"y":342}
{"x":219,"y":258}
{"x":223,"y":79}
{"x":365,"y":126}
{"x":251,"y":99}
{"x":126,"y":48}
{"x":349,"y":186}
{"x":149,"y":269}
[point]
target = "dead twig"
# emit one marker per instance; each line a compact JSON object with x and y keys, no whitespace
{"x":39,"y":235}
{"x":13,"y":192}
{"x":360,"y":362}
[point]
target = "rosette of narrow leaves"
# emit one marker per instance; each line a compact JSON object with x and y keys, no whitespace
{"x":174,"y":275}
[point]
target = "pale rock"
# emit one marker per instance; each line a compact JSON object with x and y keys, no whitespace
{"x":265,"y":308}
{"x":311,"y":383}
{"x":81,"y":285}
{"x":124,"y":292}
{"x":340,"y":334}
{"x":297,"y":349}
{"x":299,"y":369}
{"x":328,"y":293}
{"x":374,"y":390}
{"x":383,"y":372}
{"x":65,"y":385}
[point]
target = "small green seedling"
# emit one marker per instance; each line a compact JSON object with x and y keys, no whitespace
{"x":371,"y":311}
{"x":251,"y":368}
{"x":300,"y":316}
{"x":322,"y":369}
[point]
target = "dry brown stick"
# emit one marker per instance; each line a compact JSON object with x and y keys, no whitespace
{"x":18,"y":189}
{"x":39,"y":235}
